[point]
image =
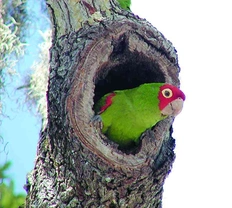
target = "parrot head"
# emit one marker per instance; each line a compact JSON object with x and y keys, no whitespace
{"x":171,"y":100}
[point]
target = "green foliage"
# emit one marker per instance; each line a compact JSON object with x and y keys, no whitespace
{"x":125,"y":4}
{"x":8,"y":199}
{"x":4,"y":168}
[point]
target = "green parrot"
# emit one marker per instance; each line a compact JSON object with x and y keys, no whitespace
{"x":126,"y":114}
{"x":125,"y":4}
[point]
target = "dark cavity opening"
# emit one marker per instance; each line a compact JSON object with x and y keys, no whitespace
{"x":126,"y":72}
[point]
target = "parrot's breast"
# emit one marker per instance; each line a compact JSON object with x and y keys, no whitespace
{"x":125,"y":120}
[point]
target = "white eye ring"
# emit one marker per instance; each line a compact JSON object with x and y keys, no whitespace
{"x":167,"y":93}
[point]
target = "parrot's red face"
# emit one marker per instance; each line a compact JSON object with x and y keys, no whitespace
{"x":171,"y":100}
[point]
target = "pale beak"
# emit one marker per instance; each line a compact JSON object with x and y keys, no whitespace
{"x":173,"y":108}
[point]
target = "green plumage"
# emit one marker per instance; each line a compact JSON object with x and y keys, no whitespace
{"x":132,"y":112}
{"x":125,"y":4}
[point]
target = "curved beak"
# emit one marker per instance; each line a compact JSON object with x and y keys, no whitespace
{"x":173,"y":108}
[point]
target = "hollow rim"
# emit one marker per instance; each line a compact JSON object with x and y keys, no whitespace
{"x":122,"y":59}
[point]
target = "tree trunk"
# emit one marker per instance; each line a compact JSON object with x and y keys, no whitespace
{"x":98,"y":48}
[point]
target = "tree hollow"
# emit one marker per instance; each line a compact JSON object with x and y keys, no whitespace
{"x":119,"y":55}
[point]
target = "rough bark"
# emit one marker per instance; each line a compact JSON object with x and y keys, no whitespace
{"x":77,"y":166}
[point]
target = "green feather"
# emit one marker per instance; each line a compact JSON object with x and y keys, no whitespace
{"x":132,"y":112}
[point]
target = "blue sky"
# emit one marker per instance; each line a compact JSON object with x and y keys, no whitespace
{"x":20,"y":126}
{"x":201,"y":32}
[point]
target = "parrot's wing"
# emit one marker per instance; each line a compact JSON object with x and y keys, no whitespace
{"x":104,"y":103}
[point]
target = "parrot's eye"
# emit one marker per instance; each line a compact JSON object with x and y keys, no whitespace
{"x":167,"y":93}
